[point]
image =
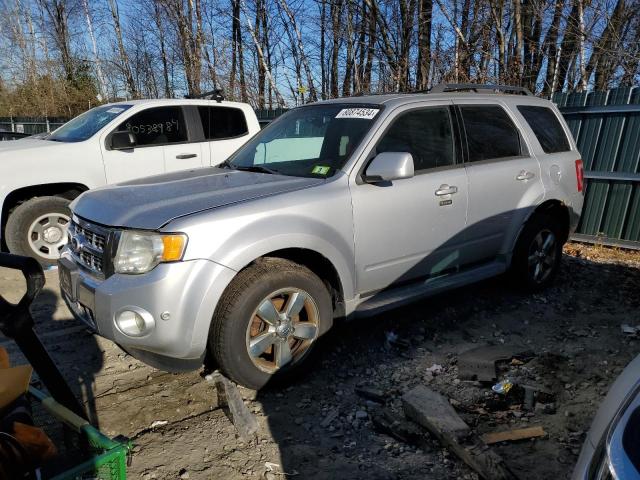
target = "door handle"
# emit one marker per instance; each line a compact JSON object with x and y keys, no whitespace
{"x":184,"y":156}
{"x":446,"y":190}
{"x":524,"y":175}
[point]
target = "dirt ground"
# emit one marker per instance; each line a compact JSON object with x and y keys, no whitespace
{"x":320,"y":428}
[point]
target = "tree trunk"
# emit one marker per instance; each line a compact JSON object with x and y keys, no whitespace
{"x":303,"y":56}
{"x":425,"y":15}
{"x":336,"y":28}
{"x":124,"y":59}
{"x":551,"y":48}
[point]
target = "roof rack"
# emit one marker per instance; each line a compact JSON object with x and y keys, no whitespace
{"x":216,"y":94}
{"x":459,"y":87}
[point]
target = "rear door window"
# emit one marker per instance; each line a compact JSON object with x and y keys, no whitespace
{"x":546,"y":127}
{"x":426,"y":134}
{"x":157,"y":126}
{"x":219,"y":123}
{"x":490,"y":133}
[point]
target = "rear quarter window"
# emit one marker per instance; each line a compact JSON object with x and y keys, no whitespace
{"x":546,"y":127}
{"x":490,"y":133}
{"x":219,"y":123}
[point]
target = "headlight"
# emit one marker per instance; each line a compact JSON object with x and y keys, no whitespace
{"x":139,"y":252}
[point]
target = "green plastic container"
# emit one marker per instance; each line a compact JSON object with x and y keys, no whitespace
{"x":108,"y":459}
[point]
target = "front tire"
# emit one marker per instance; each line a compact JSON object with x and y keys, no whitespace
{"x":538,"y":252}
{"x":38,"y":228}
{"x":268,"y":321}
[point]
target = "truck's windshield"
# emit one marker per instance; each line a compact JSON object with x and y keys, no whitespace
{"x":87,"y":124}
{"x":312,"y":141}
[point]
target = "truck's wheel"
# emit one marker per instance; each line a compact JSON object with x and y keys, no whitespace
{"x":267,"y":322}
{"x":538,"y":251}
{"x":38,"y":228}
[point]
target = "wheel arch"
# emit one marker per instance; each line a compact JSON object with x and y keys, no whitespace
{"x":68,"y":190}
{"x":553,"y":207}
{"x":558,"y":210}
{"x":320,"y":265}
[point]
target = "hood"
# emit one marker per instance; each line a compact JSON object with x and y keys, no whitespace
{"x":149,"y":203}
{"x":27,"y":143}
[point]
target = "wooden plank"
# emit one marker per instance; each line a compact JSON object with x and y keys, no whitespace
{"x":433,"y":411}
{"x":513,"y":435}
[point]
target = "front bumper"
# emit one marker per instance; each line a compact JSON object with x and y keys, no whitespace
{"x":188,"y":291}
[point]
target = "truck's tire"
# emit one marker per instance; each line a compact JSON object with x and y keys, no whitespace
{"x":538,"y":252}
{"x":38,"y":228}
{"x":280,"y":343}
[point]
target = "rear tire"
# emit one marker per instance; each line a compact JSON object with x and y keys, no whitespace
{"x":538,"y":252}
{"x":38,"y":228}
{"x":268,"y":321}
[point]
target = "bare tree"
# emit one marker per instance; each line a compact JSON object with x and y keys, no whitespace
{"x":125,"y":66}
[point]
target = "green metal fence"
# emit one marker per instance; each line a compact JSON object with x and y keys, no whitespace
{"x":606,"y":126}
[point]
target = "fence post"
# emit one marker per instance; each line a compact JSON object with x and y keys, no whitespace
{"x":48,"y":126}
{"x":13,"y":125}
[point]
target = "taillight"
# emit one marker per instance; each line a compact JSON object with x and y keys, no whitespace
{"x":579,"y":175}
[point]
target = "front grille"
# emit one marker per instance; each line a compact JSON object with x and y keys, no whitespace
{"x":94,"y":239}
{"x":87,"y":242}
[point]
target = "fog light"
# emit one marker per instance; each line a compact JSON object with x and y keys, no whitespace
{"x":134,"y":322}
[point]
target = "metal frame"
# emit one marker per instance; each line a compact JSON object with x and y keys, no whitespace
{"x":216,"y":94}
{"x":600,"y":110}
{"x":458,"y":87}
{"x":615,"y":176}
{"x":606,"y":241}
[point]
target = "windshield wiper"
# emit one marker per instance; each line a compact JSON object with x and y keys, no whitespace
{"x":256,"y":168}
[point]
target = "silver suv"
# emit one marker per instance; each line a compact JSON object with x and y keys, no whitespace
{"x":337,"y":209}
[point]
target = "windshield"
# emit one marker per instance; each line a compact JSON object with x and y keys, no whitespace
{"x":87,"y":124}
{"x":313,"y":141}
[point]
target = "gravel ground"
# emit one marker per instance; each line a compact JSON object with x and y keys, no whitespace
{"x":320,"y":428}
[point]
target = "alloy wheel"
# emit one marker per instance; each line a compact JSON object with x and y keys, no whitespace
{"x":542,"y":256}
{"x":282,"y":329}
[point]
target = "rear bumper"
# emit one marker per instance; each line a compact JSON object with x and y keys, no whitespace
{"x":187,"y":291}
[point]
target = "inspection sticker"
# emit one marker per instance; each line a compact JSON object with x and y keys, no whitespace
{"x":364,"y":113}
{"x":115,"y":110}
{"x":320,"y":170}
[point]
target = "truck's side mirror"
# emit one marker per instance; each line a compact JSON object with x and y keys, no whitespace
{"x":123,"y":140}
{"x":388,"y":166}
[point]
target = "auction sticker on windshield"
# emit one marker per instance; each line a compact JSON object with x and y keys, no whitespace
{"x":364,"y":113}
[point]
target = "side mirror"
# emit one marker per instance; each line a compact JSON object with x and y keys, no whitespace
{"x":123,"y":140}
{"x":388,"y":166}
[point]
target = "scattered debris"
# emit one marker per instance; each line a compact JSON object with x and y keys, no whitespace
{"x":435,"y":369}
{"x":331,"y":416}
{"x":231,"y":401}
{"x":433,"y":411}
{"x":392,"y":340}
{"x":373,"y":394}
{"x":480,"y":363}
{"x":275,"y":469}
{"x":159,"y":423}
{"x":430,"y":409}
{"x":385,"y":421}
{"x":630,"y":330}
{"x":513,"y":435}
{"x":503,"y":386}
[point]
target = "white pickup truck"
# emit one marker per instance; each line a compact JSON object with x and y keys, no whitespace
{"x":107,"y":144}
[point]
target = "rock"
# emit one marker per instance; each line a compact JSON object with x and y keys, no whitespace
{"x":361,"y":415}
{"x":184,"y":474}
{"x":299,"y":421}
{"x":331,"y":416}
